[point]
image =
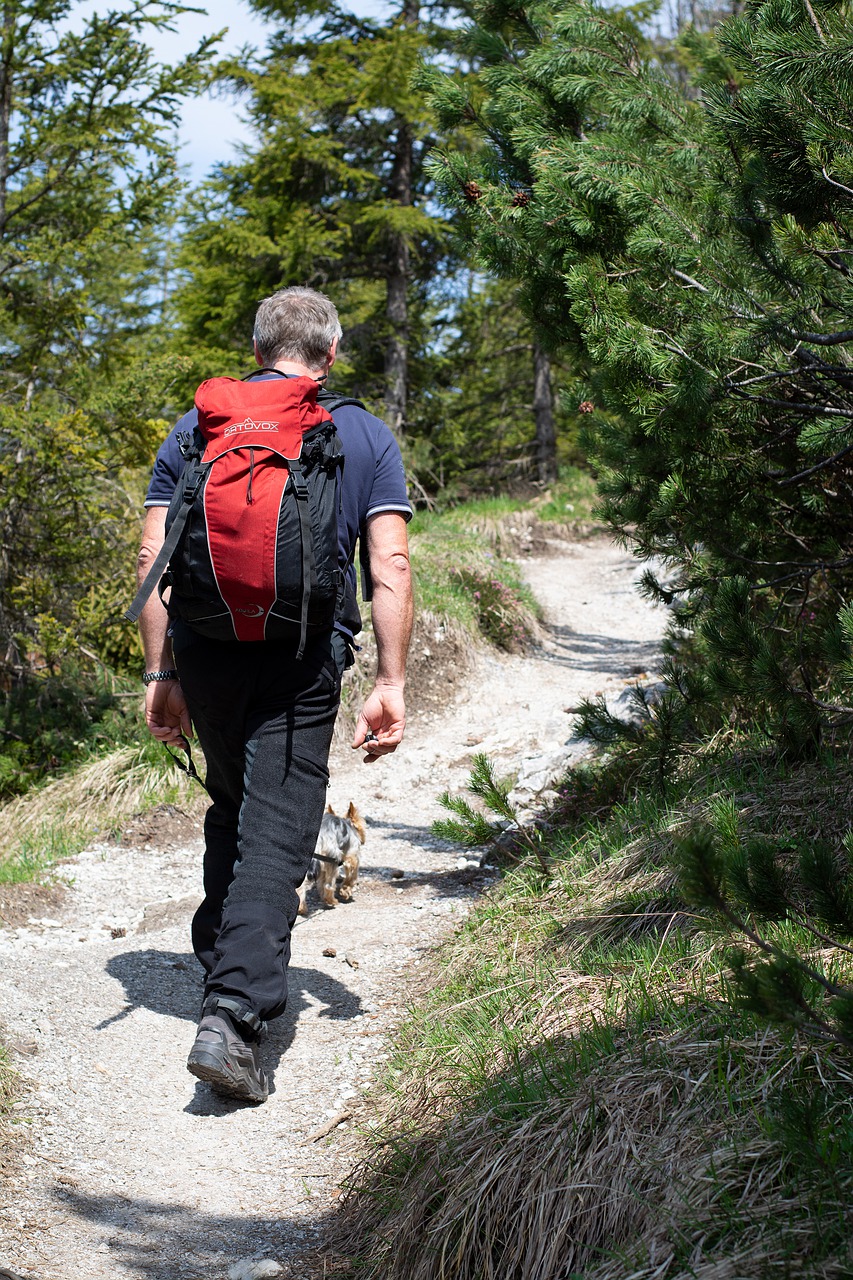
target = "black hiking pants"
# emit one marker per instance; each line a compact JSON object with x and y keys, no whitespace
{"x":264,"y":722}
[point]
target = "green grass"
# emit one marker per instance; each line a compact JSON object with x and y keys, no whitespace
{"x":580,"y":1075}
{"x":571,"y":500}
{"x":464,"y":573}
{"x":59,"y":818}
{"x":445,"y":542}
{"x":32,"y":855}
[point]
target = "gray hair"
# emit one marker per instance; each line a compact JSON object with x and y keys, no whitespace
{"x":296,"y":324}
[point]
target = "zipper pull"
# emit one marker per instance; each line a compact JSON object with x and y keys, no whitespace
{"x":249,"y":498}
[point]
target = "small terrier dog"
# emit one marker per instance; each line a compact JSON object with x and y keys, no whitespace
{"x":336,"y":854}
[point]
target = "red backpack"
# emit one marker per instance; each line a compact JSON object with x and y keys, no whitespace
{"x":251,"y":547}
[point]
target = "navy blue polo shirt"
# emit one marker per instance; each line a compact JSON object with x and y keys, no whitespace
{"x":373,"y":479}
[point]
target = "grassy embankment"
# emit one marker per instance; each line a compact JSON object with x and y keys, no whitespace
{"x":114,"y":773}
{"x":76,"y":762}
{"x":582,"y":1095}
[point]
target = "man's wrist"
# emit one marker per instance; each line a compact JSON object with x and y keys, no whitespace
{"x":391,"y":682}
{"x":159,"y":677}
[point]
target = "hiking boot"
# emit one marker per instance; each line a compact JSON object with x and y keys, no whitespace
{"x":226,"y":1061}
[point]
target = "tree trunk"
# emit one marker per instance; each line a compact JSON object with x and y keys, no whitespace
{"x":6,"y":61}
{"x":399,"y":266}
{"x":397,"y":348}
{"x":543,"y":413}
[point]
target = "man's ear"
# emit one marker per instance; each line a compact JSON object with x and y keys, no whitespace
{"x":258,"y":359}
{"x":333,"y":352}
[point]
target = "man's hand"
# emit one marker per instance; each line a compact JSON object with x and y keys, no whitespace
{"x":379,"y":729}
{"x":166,"y":712}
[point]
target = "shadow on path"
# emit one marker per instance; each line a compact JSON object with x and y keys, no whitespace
{"x":602,"y":654}
{"x":169,"y":983}
{"x":152,"y":1240}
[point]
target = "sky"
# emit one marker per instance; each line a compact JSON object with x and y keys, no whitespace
{"x":212,"y":126}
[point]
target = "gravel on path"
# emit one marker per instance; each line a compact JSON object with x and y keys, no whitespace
{"x":132,"y":1169}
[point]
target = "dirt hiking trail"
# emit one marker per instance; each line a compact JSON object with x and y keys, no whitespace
{"x":130,"y":1168}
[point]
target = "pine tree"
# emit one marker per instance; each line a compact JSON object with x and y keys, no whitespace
{"x":87,"y":181}
{"x":478,"y":423}
{"x":695,"y":252}
{"x":332,"y":195}
{"x":749,"y":885}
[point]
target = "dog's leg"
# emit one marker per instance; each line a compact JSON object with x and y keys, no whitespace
{"x":349,"y":866}
{"x":326,"y":877}
{"x":303,"y":892}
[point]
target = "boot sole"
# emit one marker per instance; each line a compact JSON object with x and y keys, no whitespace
{"x":217,"y":1072}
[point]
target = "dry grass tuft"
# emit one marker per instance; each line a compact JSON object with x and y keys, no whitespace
{"x":579,"y":1098}
{"x":10,"y":1091}
{"x":622,"y":1175}
{"x":101,"y":794}
{"x":9,"y":1084}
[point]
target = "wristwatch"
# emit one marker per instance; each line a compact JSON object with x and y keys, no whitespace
{"x":154,"y":677}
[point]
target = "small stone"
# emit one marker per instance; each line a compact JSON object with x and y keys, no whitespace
{"x":397,"y":874}
{"x":255,"y":1269}
{"x":353,"y":964}
{"x":329,"y":951}
{"x":118,"y":932}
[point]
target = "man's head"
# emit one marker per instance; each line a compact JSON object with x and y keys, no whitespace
{"x":297,"y":325}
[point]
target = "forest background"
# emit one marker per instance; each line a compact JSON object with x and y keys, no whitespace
{"x":565,"y":240}
{"x":122,"y":288}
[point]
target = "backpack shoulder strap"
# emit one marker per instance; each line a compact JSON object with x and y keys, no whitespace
{"x":192,"y":484}
{"x":331,"y":401}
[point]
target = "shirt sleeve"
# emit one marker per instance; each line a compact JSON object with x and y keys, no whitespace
{"x":388,"y":491}
{"x":168,"y":466}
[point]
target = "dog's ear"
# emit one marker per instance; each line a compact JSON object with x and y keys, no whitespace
{"x":356,"y":820}
{"x":329,"y":809}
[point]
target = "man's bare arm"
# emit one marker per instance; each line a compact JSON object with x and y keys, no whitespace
{"x":165,"y":708}
{"x":392,"y":609}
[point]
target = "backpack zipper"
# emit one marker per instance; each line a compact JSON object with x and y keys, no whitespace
{"x":251,"y":476}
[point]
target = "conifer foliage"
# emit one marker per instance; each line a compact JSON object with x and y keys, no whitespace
{"x":87,"y":181}
{"x":332,"y":195}
{"x":696,"y":249}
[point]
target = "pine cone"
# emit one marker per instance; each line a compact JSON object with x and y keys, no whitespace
{"x":586,"y":406}
{"x":473,"y":192}
{"x":520,"y":199}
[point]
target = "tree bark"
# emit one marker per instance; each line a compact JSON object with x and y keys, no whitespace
{"x":543,"y":413}
{"x":399,"y":265}
{"x":6,"y":86}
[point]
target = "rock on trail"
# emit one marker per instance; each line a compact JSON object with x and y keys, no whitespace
{"x":133,"y":1169}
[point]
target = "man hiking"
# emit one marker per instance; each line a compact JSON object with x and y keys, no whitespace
{"x":258,"y":679}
